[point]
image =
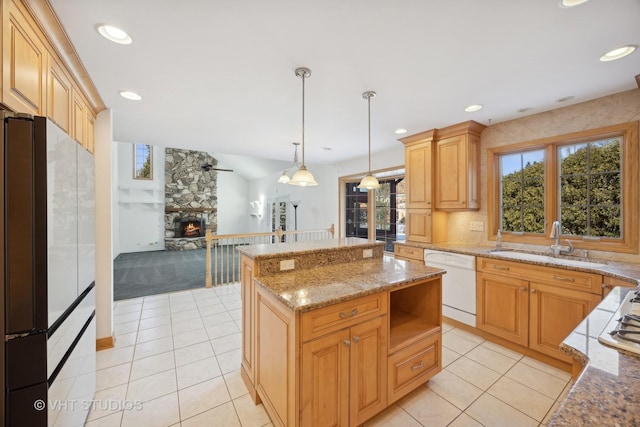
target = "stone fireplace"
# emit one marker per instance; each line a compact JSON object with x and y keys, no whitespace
{"x":191,"y":203}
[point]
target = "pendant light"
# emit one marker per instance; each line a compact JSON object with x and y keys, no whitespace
{"x":369,"y":182}
{"x":303,"y":177}
{"x":284,"y":178}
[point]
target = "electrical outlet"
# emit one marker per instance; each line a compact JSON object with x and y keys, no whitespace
{"x":367,"y":253}
{"x":476,"y":226}
{"x":287,"y":264}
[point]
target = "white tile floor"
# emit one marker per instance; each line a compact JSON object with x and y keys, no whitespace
{"x":177,"y":357}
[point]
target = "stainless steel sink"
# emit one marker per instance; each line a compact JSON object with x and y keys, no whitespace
{"x":547,"y":259}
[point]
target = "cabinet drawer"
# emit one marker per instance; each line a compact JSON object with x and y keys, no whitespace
{"x":335,"y":317}
{"x":410,"y":252}
{"x":413,"y":366}
{"x":569,"y":279}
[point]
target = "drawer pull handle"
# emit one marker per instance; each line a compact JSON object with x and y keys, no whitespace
{"x":564,"y":279}
{"x":417,"y":366}
{"x":347,"y":343}
{"x":353,"y":313}
{"x":356,"y":340}
{"x":501,"y":267}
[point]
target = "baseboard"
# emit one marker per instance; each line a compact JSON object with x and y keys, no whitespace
{"x":104,"y":343}
{"x":565,"y":366}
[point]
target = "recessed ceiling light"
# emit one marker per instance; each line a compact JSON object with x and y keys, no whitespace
{"x":618,"y":53}
{"x":401,"y":131}
{"x":132,"y":96}
{"x":473,"y":107}
{"x":571,"y":3}
{"x":565,"y":99}
{"x":114,"y":34}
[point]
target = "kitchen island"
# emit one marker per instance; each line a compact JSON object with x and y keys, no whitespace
{"x":336,"y":344}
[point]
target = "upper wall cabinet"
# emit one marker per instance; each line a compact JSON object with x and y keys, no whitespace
{"x":79,"y":115}
{"x":458,"y":167}
{"x":24,"y":61}
{"x":58,"y":95}
{"x":423,"y":224}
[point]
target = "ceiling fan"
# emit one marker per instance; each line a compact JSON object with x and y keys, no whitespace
{"x":209,"y":167}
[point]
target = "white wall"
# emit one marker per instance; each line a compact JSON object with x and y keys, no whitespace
{"x":104,"y":225}
{"x":390,"y":158}
{"x":140,"y":203}
{"x":319,"y":207}
{"x":233,"y":202}
{"x":115,"y":214}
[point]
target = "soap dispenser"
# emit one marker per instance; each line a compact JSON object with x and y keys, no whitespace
{"x":499,"y":240}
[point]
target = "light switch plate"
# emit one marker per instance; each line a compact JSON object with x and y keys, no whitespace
{"x":367,"y":253}
{"x":476,"y":226}
{"x":287,"y":264}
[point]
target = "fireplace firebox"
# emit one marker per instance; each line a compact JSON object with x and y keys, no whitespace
{"x":190,"y":227}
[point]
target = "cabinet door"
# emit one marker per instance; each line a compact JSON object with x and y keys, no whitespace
{"x":451,"y":165}
{"x":554,"y":314}
{"x":248,"y":311}
{"x":418,"y":223}
{"x":59,"y":95}
{"x":78,"y":120}
{"x":418,"y":175}
{"x":89,"y":131}
{"x":458,"y":173}
{"x":503,"y":307}
{"x":325,"y":380}
{"x":368,"y":369}
{"x":24,"y":59}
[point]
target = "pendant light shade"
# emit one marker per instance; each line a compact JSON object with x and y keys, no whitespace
{"x":284,"y":178}
{"x":303,"y":177}
{"x":369,"y":182}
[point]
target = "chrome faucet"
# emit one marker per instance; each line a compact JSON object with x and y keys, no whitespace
{"x":557,"y":248}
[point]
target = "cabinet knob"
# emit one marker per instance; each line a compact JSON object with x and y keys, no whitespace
{"x":347,"y":343}
{"x":533,"y":291}
{"x":605,"y":286}
{"x":523,"y":289}
{"x":462,"y":202}
{"x":356,"y":340}
{"x":417,"y":366}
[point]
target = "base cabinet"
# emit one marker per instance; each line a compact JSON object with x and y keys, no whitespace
{"x":344,"y":375}
{"x":339,"y":365}
{"x":536,"y":307}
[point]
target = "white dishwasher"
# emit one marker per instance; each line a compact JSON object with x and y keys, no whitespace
{"x":458,"y":285}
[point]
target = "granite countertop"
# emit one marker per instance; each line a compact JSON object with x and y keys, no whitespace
{"x":271,"y":250}
{"x":621,"y":270}
{"x":606,"y":393}
{"x":306,"y":290}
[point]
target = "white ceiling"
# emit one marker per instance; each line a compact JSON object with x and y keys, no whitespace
{"x":218,"y":75}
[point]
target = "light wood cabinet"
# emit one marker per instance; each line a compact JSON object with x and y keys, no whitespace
{"x":344,"y":375}
{"x":247,"y":293}
{"x":457,"y":167}
{"x":78,"y":119}
{"x":503,"y":307}
{"x":555,"y":313}
{"x":24,"y":62}
{"x":608,"y":283}
{"x":409,"y":253}
{"x":58,"y":95}
{"x":533,"y":306}
{"x":90,"y":131}
{"x":423,"y":223}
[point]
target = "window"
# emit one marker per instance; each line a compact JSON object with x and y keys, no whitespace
{"x":142,"y":167}
{"x":587,"y":180}
{"x":378,"y":214}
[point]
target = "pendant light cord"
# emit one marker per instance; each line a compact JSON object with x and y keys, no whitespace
{"x":369,"y":114}
{"x":303,"y":76}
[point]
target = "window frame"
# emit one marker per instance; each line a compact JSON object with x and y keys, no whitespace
{"x":381,"y":174}
{"x":135,"y":162}
{"x":628,"y":243}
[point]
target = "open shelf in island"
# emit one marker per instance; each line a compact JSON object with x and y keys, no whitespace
{"x":414,"y":313}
